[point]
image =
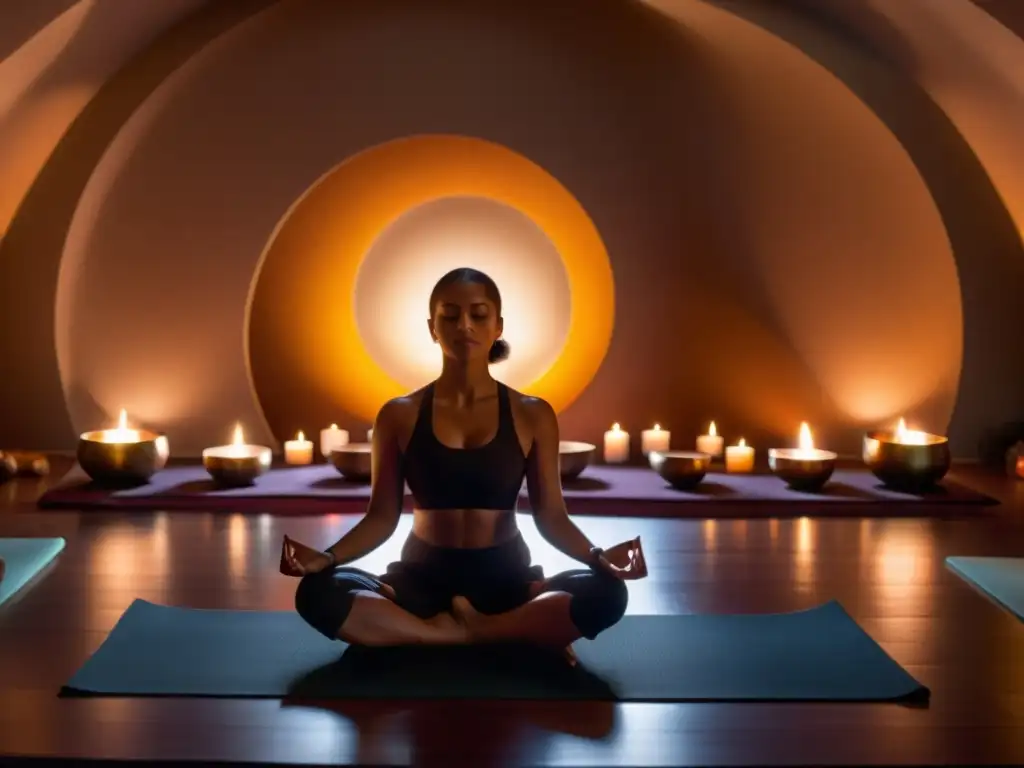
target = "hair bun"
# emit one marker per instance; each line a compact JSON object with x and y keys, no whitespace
{"x":499,"y":351}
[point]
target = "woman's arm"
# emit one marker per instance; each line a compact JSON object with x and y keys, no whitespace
{"x":544,"y":484}
{"x":386,"y":493}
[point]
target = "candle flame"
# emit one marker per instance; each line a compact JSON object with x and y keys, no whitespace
{"x":301,"y":436}
{"x":806,"y":441}
{"x":615,"y":427}
{"x":713,"y":430}
{"x":334,"y":426}
{"x":657,"y":427}
{"x":742,"y":443}
{"x":909,"y":436}
{"x":122,"y":433}
{"x":239,"y":438}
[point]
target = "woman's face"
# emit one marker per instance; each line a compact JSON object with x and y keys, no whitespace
{"x":465,"y":322}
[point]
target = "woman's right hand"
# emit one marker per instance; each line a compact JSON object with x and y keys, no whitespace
{"x":299,"y":560}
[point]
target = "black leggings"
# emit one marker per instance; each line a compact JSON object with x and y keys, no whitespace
{"x":493,"y":579}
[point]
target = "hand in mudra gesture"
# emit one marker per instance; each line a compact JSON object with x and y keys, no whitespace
{"x":298,"y":559}
{"x":625,"y":561}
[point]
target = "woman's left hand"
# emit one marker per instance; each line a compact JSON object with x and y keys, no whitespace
{"x":624,"y":561}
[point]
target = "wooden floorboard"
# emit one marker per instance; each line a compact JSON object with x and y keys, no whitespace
{"x":889,"y":574}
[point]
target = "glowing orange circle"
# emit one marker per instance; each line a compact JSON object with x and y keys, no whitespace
{"x":315,"y":256}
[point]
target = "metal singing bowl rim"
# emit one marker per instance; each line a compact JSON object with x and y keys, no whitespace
{"x":888,"y":437}
{"x":96,"y":436}
{"x":575,"y":446}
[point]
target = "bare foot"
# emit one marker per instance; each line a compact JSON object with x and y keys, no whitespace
{"x":467,"y":616}
{"x":473,"y":620}
{"x":449,"y":629}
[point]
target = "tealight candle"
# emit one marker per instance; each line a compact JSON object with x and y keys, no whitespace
{"x":711,"y":443}
{"x":298,"y":451}
{"x":656,"y":439}
{"x":616,"y":445}
{"x":331,"y":439}
{"x":739,"y":458}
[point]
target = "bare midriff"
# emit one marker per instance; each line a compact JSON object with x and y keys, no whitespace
{"x":464,"y":528}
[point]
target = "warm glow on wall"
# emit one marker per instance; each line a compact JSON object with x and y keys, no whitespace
{"x":311,"y":289}
{"x":405,"y":261}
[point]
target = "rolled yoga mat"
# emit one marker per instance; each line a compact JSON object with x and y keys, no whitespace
{"x":1000,"y":578}
{"x":814,"y":655}
{"x":24,"y":559}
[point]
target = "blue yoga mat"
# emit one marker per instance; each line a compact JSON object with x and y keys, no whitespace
{"x":1000,"y":578}
{"x":24,"y":558}
{"x":815,"y":655}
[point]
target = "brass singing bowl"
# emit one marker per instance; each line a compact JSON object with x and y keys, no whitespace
{"x":683,"y":470}
{"x":574,"y":457}
{"x":353,"y":461}
{"x":800,"y":471}
{"x":236,"y":471}
{"x":109,"y":462}
{"x":906,"y":467}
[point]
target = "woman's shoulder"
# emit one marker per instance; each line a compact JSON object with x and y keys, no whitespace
{"x":537,"y":408}
{"x":399,"y":409}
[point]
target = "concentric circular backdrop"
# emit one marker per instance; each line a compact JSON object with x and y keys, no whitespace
{"x":340,"y":303}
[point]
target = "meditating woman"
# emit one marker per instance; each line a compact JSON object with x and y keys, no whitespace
{"x":464,"y":444}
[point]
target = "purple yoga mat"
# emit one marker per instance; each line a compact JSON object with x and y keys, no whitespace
{"x":310,"y":489}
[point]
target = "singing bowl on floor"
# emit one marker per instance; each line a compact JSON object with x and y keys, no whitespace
{"x":353,"y":461}
{"x":235,"y":471}
{"x":574,"y":457}
{"x":802,"y":470}
{"x":110,"y":462}
{"x":683,"y":470}
{"x":906,"y":467}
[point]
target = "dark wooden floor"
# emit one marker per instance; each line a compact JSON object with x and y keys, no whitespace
{"x":888,"y":573}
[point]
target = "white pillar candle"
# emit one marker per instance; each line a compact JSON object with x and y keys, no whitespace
{"x":298,"y":451}
{"x":656,"y":439}
{"x":711,"y":443}
{"x":331,"y":439}
{"x":739,"y":458}
{"x":616,"y":445}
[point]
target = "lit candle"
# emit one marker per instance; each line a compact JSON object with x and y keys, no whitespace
{"x":298,"y":451}
{"x":120,"y":434}
{"x":656,"y":439}
{"x":331,"y":439}
{"x":804,"y":468}
{"x":237,"y":463}
{"x":905,"y":436}
{"x":122,"y":453}
{"x":711,"y":443}
{"x":739,"y":458}
{"x":805,"y":450}
{"x":616,"y":445}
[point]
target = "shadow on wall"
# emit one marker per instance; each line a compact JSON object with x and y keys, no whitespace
{"x":1009,"y":13}
{"x":31,"y":250}
{"x":984,"y":237}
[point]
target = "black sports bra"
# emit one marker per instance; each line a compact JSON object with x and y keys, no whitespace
{"x":487,"y":477}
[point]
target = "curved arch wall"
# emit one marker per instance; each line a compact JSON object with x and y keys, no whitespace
{"x":946,"y":77}
{"x":772,"y":347}
{"x":765,"y":241}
